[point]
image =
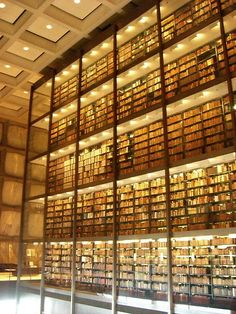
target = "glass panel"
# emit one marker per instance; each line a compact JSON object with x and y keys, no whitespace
{"x":41,"y":100}
{"x":53,"y":305}
{"x":66,"y":86}
{"x":29,"y":303}
{"x":94,"y":267}
{"x":38,"y":138}
{"x":98,"y":65}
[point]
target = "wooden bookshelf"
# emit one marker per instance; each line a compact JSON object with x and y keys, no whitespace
{"x":196,"y":267}
{"x":139,"y":95}
{"x":95,"y":214}
{"x":94,"y":266}
{"x":61,"y":173}
{"x":142,"y":208}
{"x":202,"y":129}
{"x":143,"y":269}
{"x":98,"y":71}
{"x":58,"y":263}
{"x":203,"y":198}
{"x":139,"y":46}
{"x":63,"y":131}
{"x":65,"y":92}
{"x":97,"y":115}
{"x":188,"y":16}
{"x":59,"y":218}
{"x":95,"y":163}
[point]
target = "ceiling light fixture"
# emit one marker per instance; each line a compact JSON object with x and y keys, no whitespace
{"x":74,"y":66}
{"x":130,"y":28}
{"x":49,"y":26}
{"x":76,"y":1}
{"x":25,"y":92}
{"x":7,"y":66}
{"x":25,"y":48}
{"x":143,"y":19}
{"x":105,"y":45}
{"x":2,"y":5}
{"x":93,"y":53}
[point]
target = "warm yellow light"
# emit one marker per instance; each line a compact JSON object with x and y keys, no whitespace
{"x":146,"y":65}
{"x":130,"y":28}
{"x":179,"y":46}
{"x":105,"y":45}
{"x":144,"y":19}
{"x":93,"y":53}
{"x":74,"y":66}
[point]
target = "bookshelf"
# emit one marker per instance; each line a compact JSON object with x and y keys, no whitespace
{"x":138,"y":159}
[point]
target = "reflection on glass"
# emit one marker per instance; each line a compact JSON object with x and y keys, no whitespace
{"x":41,"y":100}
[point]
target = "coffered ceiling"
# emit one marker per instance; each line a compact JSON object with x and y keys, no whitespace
{"x":36,"y":32}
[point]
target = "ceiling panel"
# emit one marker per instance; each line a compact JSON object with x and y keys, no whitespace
{"x":10,"y":106}
{"x":45,"y":28}
{"x":10,"y":12}
{"x":25,"y":50}
{"x":24,"y":24}
{"x":80,"y":10}
{"x":2,"y":86}
{"x":21,"y":93}
{"x":10,"y":70}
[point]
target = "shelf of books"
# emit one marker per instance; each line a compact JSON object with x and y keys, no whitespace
{"x":131,"y":171}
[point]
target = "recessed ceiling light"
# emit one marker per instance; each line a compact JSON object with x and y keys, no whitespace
{"x":2,"y":5}
{"x":130,"y":28}
{"x":144,"y":19}
{"x":65,"y":72}
{"x":93,"y":53}
{"x":77,"y":1}
{"x":26,"y":48}
{"x":7,"y":66}
{"x":49,"y":26}
{"x":25,"y":92}
{"x":74,"y":66}
{"x":105,"y":45}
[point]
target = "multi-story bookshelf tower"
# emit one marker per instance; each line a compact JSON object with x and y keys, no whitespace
{"x":131,"y":167}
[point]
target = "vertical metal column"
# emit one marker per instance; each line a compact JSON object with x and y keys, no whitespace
{"x":73,"y":267}
{"x":115,"y":176}
{"x":21,"y":235}
{"x":166,"y":164}
{"x":227,"y":68}
{"x":42,"y":283}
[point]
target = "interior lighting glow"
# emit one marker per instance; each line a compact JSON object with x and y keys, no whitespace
{"x":144,"y":19}
{"x":130,"y":28}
